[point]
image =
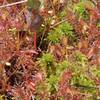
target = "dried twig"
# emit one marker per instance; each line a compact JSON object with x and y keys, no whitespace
{"x":12,"y":4}
{"x":62,"y":21}
{"x":86,"y":87}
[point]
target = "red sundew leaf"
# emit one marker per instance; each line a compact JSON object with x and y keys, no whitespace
{"x":93,"y":31}
{"x":97,"y":43}
{"x":82,"y":22}
{"x":56,"y":50}
{"x":29,"y":52}
{"x":98,"y":5}
{"x":18,"y":24}
{"x":31,"y":85}
{"x":1,"y":1}
{"x":1,"y":28}
{"x":70,"y":15}
{"x":95,"y":13}
{"x":15,"y":92}
{"x":97,"y":81}
{"x":21,"y":92}
{"x":90,"y":53}
{"x":39,"y":76}
{"x":98,"y":60}
{"x":66,"y":76}
{"x":75,"y":97}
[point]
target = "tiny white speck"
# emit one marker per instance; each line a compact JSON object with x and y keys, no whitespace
{"x":50,"y":11}
{"x":8,"y":64}
{"x":43,"y":25}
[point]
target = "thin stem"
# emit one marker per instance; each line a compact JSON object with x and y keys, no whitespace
{"x":35,"y":40}
{"x":42,"y":36}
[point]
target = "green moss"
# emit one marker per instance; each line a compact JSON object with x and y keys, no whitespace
{"x":62,"y":29}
